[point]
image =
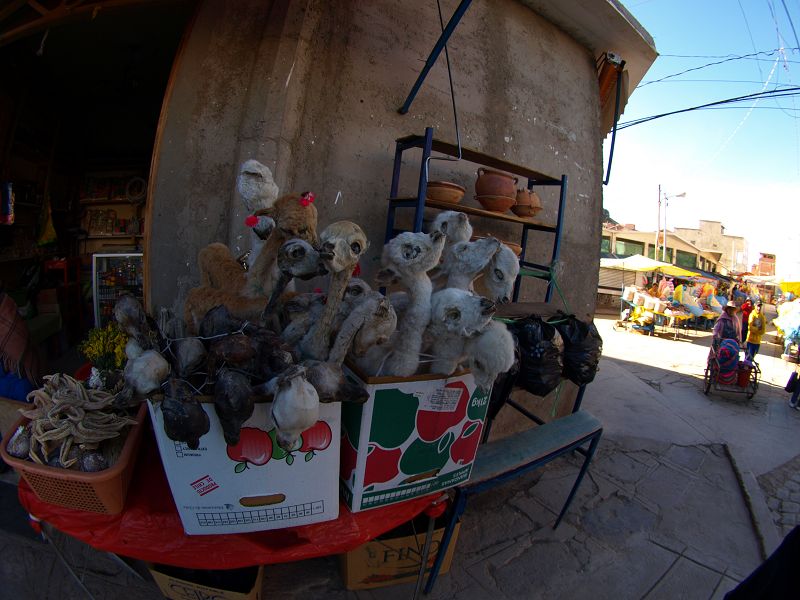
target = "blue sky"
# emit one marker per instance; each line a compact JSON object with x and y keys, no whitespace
{"x":737,"y":165}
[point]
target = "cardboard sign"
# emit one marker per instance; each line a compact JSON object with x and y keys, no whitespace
{"x":184,"y":588}
{"x":392,"y":559}
{"x":414,"y":436}
{"x":256,"y":485}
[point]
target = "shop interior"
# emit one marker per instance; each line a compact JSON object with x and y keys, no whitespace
{"x":79,"y":110}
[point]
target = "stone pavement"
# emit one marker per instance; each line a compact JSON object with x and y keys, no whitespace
{"x":671,"y":507}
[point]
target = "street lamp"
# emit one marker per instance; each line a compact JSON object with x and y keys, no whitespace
{"x":666,"y":203}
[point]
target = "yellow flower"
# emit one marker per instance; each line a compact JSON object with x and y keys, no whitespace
{"x":105,"y":348}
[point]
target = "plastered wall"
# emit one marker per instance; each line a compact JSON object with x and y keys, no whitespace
{"x":312,"y":88}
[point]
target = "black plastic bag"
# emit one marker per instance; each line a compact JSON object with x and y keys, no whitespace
{"x":582,"y":348}
{"x":540,"y":349}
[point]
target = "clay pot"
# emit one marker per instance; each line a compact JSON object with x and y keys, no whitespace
{"x":498,"y":204}
{"x":495,"y":183}
{"x":527,"y":204}
{"x":445,"y":191}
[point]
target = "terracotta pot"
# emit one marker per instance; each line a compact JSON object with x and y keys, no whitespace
{"x":445,"y":191}
{"x":495,"y":183}
{"x":498,"y":204}
{"x":524,"y":198}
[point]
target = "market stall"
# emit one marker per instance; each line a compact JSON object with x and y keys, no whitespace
{"x":661,"y":304}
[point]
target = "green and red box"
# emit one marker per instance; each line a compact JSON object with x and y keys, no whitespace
{"x":414,"y":436}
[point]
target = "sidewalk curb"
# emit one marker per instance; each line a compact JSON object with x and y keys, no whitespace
{"x":766,"y":531}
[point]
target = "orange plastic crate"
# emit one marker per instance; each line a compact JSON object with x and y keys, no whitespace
{"x":102,"y":492}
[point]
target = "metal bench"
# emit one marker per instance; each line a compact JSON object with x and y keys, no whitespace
{"x":520,"y":453}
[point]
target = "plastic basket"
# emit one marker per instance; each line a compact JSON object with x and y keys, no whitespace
{"x":102,"y":492}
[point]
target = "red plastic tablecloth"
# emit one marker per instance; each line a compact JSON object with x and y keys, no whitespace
{"x":149,"y":528}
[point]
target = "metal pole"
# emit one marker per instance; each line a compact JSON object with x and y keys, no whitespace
{"x":658,"y":225}
{"x":664,"y":247}
{"x":437,"y":49}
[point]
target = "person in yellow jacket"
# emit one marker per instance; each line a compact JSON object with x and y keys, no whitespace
{"x":756,"y":327}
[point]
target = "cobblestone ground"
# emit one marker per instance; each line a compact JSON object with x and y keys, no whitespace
{"x":782,"y":488}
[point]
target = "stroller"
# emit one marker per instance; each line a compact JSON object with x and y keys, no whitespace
{"x":726,"y":373}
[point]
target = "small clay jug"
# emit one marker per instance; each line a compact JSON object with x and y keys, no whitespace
{"x":495,"y":183}
{"x":524,"y":197}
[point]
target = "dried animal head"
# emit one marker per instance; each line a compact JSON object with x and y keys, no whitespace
{"x":455,"y":225}
{"x":466,"y":260}
{"x":490,"y":353}
{"x":460,"y":312}
{"x":298,"y":258}
{"x":345,"y":242}
{"x":256,"y":185}
{"x":295,"y":407}
{"x":413,"y":252}
{"x":500,"y":275}
{"x":378,"y":327}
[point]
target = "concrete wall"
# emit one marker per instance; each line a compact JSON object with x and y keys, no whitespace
{"x":311,"y":89}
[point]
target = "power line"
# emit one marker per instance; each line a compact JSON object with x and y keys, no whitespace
{"x":786,"y":92}
{"x":791,"y":23}
{"x":750,"y":33}
{"x":711,"y":64}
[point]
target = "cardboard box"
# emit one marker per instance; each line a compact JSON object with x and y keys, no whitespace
{"x":190,"y":584}
{"x":414,"y":436}
{"x":394,"y":557}
{"x":256,"y":485}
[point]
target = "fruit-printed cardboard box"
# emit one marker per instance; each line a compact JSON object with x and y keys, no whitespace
{"x":255,"y":485}
{"x":413,"y":436}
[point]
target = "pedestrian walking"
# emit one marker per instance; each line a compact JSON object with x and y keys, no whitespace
{"x":747,"y":308}
{"x":793,"y":387}
{"x":757,"y":326}
{"x":727,"y":326}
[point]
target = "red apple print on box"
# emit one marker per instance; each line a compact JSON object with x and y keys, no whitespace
{"x":432,"y":424}
{"x":463,"y":449}
{"x":315,"y":438}
{"x":254,"y":447}
{"x":382,"y":465}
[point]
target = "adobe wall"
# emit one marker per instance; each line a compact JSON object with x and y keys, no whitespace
{"x":312,"y":90}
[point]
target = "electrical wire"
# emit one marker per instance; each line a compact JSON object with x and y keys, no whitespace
{"x":711,"y":64}
{"x":791,"y":23}
{"x":786,"y":92}
{"x":750,"y":33}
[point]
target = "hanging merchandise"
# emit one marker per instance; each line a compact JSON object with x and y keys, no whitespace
{"x":582,"y":348}
{"x":6,"y":203}
{"x":540,"y":348}
{"x":47,"y":235}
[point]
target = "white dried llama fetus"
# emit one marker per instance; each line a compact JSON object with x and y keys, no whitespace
{"x":456,"y":316}
{"x":410,"y":256}
{"x":490,"y":353}
{"x":465,"y":261}
{"x":497,"y":280}
{"x":295,"y":406}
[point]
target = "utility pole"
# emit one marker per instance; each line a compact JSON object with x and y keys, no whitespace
{"x":658,"y":224}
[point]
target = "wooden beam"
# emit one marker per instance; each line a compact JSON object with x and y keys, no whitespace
{"x":10,"y":8}
{"x":41,"y":9}
{"x":65,"y":13}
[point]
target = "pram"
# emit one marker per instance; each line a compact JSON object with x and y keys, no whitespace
{"x":726,"y":373}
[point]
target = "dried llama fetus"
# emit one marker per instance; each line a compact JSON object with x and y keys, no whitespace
{"x":497,"y":281}
{"x":345,"y":242}
{"x":410,"y":256}
{"x":465,"y":261}
{"x":490,"y":353}
{"x":295,"y":406}
{"x":456,"y":316}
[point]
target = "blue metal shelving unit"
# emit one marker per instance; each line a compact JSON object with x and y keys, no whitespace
{"x":428,"y":145}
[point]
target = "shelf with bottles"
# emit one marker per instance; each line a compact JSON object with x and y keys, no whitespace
{"x":114,"y":275}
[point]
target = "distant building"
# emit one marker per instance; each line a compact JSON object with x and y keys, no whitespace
{"x":765,"y":266}
{"x":625,"y":240}
{"x":710,"y":236}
